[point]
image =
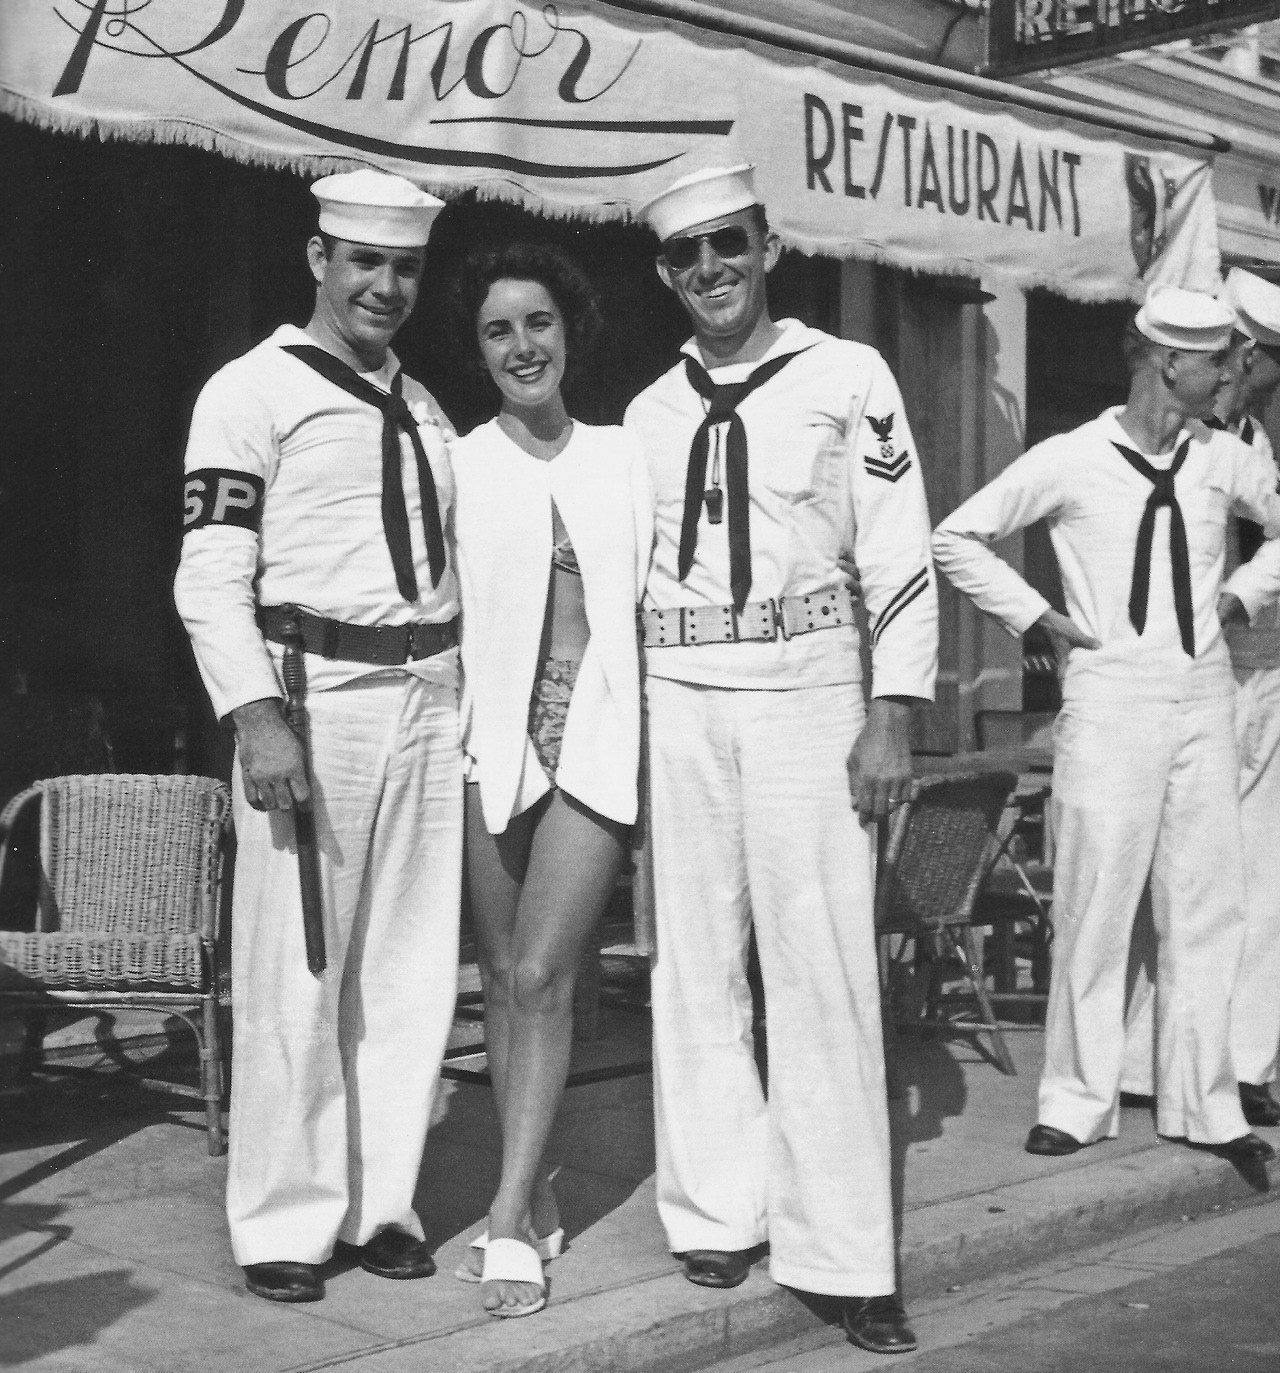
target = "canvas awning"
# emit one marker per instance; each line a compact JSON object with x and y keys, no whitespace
{"x":588,"y":109}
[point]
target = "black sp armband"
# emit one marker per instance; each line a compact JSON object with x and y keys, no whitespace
{"x":217,"y":495}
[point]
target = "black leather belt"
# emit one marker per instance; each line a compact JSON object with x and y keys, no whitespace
{"x":384,"y":645}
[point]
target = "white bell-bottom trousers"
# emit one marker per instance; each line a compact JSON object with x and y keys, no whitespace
{"x":753,"y":826}
{"x":1145,"y":788}
{"x":333,"y":1077}
{"x":1255,"y":1003}
{"x":1255,"y":1009}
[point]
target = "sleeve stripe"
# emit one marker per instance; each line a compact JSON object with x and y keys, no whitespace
{"x":889,"y":471}
{"x":899,"y":603}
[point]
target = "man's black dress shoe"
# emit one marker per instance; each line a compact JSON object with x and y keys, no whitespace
{"x":1260,"y":1107}
{"x":878,"y":1324}
{"x":1045,"y":1139}
{"x":1245,"y":1149}
{"x":284,"y":1281}
{"x":717,"y":1267}
{"x":393,"y":1254}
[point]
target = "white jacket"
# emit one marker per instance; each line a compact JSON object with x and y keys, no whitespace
{"x":599,"y":484}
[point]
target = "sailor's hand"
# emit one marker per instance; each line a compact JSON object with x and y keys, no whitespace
{"x":271,"y":758}
{"x":852,"y":578}
{"x":880,"y":761}
{"x":1063,"y":629}
{"x":1231,"y":610}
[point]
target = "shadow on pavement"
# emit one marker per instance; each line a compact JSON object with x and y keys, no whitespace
{"x":85,"y":1307}
{"x":932,"y":1089}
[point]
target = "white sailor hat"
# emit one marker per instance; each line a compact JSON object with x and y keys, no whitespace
{"x":373,"y":207}
{"x":699,"y":197}
{"x":1192,"y":321}
{"x":1257,"y":306}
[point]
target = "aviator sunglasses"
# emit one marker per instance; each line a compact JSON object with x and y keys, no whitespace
{"x":682,"y":251}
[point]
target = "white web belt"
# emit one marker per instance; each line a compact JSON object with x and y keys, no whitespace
{"x":757,"y":622}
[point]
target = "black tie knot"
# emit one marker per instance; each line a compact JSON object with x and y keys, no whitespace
{"x":1162,"y":489}
{"x":724,"y":401}
{"x":396,"y":409}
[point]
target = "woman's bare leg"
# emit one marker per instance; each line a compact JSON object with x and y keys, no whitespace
{"x":574,"y":861}
{"x":495,"y":870}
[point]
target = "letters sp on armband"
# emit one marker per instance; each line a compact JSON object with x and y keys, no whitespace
{"x":219,"y":495}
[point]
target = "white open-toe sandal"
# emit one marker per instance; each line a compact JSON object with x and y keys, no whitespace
{"x":514,"y":1261}
{"x":547,"y":1248}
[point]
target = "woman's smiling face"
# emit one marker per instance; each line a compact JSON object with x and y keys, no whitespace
{"x":522,"y":342}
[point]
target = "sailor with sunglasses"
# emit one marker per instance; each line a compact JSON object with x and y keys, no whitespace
{"x":774,"y":451}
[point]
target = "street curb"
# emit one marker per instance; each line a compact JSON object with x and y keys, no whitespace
{"x":665,"y":1323}
{"x":967,"y":1239}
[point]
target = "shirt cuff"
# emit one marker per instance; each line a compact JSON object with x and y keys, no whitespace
{"x":257,"y":686}
{"x":1247,"y":592}
{"x":902,"y":682}
{"x":1022,"y":616}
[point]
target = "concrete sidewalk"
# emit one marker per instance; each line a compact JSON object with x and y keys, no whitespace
{"x":114,"y":1256}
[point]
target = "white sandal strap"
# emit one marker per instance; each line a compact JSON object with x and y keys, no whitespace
{"x":507,"y":1260}
{"x":547,"y":1248}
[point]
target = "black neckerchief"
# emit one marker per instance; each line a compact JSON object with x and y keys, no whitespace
{"x":1162,"y":493}
{"x":396,"y":416}
{"x":723,"y":402}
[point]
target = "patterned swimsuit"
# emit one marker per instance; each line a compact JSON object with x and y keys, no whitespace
{"x":553,"y":685}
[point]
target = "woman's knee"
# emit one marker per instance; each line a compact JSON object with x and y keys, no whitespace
{"x":496,"y":970}
{"x":540,"y":984}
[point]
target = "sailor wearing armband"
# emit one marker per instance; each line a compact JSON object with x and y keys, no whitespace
{"x":318,"y":499}
{"x":1138,"y":503}
{"x":774,"y":449}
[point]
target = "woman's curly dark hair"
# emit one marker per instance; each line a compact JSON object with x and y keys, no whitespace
{"x":566,"y":283}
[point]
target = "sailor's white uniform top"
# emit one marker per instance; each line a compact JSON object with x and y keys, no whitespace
{"x":1093,"y":501}
{"x":599,"y":484}
{"x":832,"y":470}
{"x":284,"y":496}
{"x":1257,"y":582}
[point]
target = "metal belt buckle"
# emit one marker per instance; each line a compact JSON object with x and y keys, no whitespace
{"x":780,"y":618}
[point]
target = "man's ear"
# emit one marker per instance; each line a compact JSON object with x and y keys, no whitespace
{"x":317,"y":258}
{"x":772,"y":251}
{"x":1170,"y":366}
{"x":664,"y":273}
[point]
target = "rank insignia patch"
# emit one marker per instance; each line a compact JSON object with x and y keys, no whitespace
{"x":888,"y":466}
{"x":883,"y":430}
{"x":217,"y":495}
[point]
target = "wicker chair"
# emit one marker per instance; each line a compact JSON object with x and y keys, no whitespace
{"x":939,"y":848}
{"x":127,"y":910}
